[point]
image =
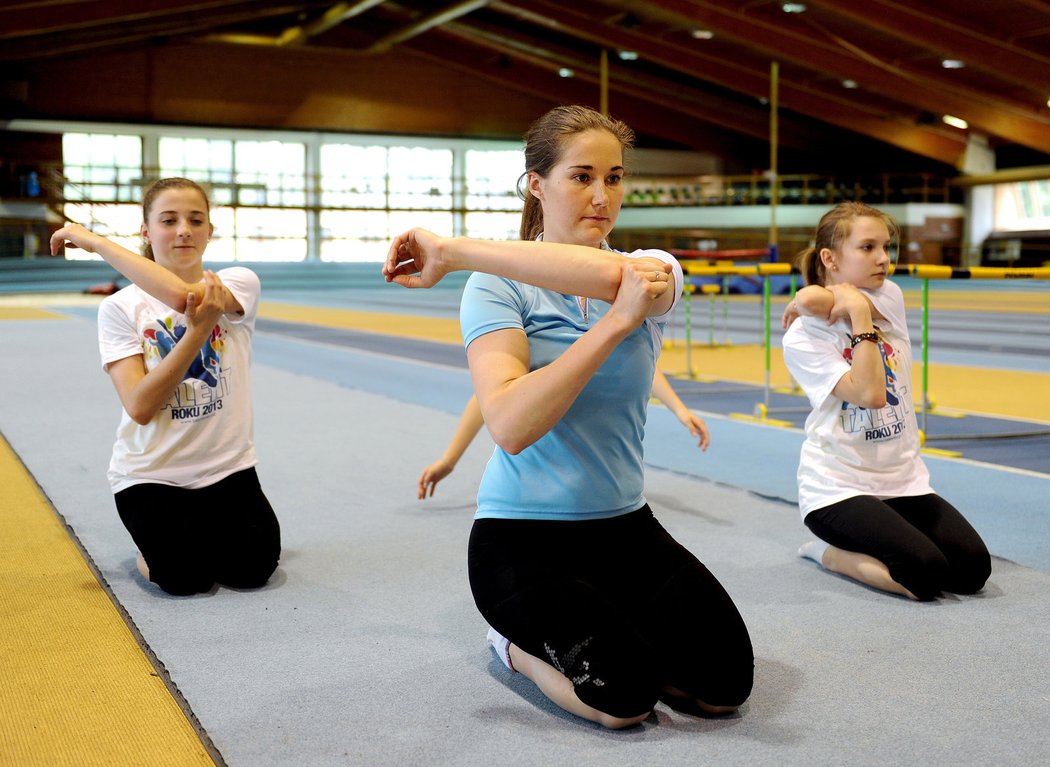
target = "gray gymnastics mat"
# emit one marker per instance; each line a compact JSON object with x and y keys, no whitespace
{"x":366,"y":648}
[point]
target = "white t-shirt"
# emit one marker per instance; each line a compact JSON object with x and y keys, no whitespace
{"x":205,"y":431}
{"x":851,"y":450}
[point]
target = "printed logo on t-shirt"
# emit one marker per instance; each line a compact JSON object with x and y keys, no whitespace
{"x":886,"y":423}
{"x":191,"y":401}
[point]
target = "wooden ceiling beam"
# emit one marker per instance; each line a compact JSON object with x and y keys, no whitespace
{"x":861,"y":118}
{"x":986,"y":112}
{"x":114,"y":33}
{"x":25,"y":21}
{"x":951,"y":38}
{"x":536,"y":77}
{"x":705,"y":107}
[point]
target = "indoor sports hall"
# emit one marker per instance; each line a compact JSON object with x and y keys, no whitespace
{"x":321,"y":130}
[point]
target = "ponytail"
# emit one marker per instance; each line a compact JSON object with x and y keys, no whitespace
{"x":812,"y":268}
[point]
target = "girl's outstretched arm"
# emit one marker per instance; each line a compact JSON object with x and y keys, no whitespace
{"x":162,"y":284}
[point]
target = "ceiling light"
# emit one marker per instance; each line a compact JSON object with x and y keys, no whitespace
{"x":565,"y":72}
{"x":955,"y":122}
{"x":851,"y":84}
{"x":952,"y":63}
{"x":702,"y":34}
{"x":794,"y":7}
{"x":628,"y":55}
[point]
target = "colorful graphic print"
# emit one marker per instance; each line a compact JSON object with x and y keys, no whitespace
{"x":162,"y":338}
{"x":886,"y":423}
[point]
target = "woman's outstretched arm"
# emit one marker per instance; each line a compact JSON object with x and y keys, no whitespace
{"x":520,"y":406}
{"x":420,"y":259}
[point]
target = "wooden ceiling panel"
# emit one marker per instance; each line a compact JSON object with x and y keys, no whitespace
{"x":868,"y":73}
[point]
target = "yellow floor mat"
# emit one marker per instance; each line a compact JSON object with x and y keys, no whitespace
{"x":27,"y":313}
{"x":1009,"y":393}
{"x":409,"y":326}
{"x":77,"y":688}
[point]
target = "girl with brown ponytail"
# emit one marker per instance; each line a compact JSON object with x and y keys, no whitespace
{"x":864,"y":490}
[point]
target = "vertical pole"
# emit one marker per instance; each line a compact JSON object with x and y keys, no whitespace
{"x":313,"y":200}
{"x":774,"y":198}
{"x":925,"y":351}
{"x":774,"y":178}
{"x":689,"y":330}
{"x":604,"y":83}
{"x":725,"y":311}
{"x":765,"y":319}
{"x":459,"y":192}
{"x":711,"y":320}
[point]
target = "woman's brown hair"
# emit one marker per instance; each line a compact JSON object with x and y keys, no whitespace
{"x":544,"y":144}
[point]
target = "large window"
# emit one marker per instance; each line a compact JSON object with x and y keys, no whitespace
{"x":492,"y":202}
{"x":1022,"y":206}
{"x":370,"y":193}
{"x":102,"y":167}
{"x":270,"y":173}
{"x":209,"y":161}
{"x":353,"y":176}
{"x":269,"y":196}
{"x":103,"y":186}
{"x":265,"y":234}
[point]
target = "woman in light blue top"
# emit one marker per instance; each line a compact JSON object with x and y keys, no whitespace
{"x":586,"y":593}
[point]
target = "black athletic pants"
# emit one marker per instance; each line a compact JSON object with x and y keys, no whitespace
{"x":617,"y":605}
{"x":224,"y":533}
{"x":928,"y":546}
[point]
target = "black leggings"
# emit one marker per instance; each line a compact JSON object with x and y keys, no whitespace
{"x":192,"y":539}
{"x":928,"y":546}
{"x":617,"y":605}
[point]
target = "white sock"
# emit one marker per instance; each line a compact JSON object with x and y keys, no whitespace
{"x":813,"y":550}
{"x":501,"y":645}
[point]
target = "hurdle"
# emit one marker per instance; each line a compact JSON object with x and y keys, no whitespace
{"x":688,"y":290}
{"x":724,"y":271}
{"x":711,"y":257}
{"x":927,"y":272}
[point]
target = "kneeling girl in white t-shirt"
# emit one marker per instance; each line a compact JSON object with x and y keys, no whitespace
{"x":177,"y":346}
{"x":863,"y":487}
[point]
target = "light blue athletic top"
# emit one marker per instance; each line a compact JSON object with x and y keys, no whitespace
{"x":589,"y":466}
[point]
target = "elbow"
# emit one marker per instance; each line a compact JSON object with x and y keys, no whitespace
{"x":139,"y":414}
{"x":874,"y":400}
{"x":140,"y":418}
{"x":512,"y":445}
{"x":174,"y":296}
{"x":177,"y":301}
{"x":510,"y":441}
